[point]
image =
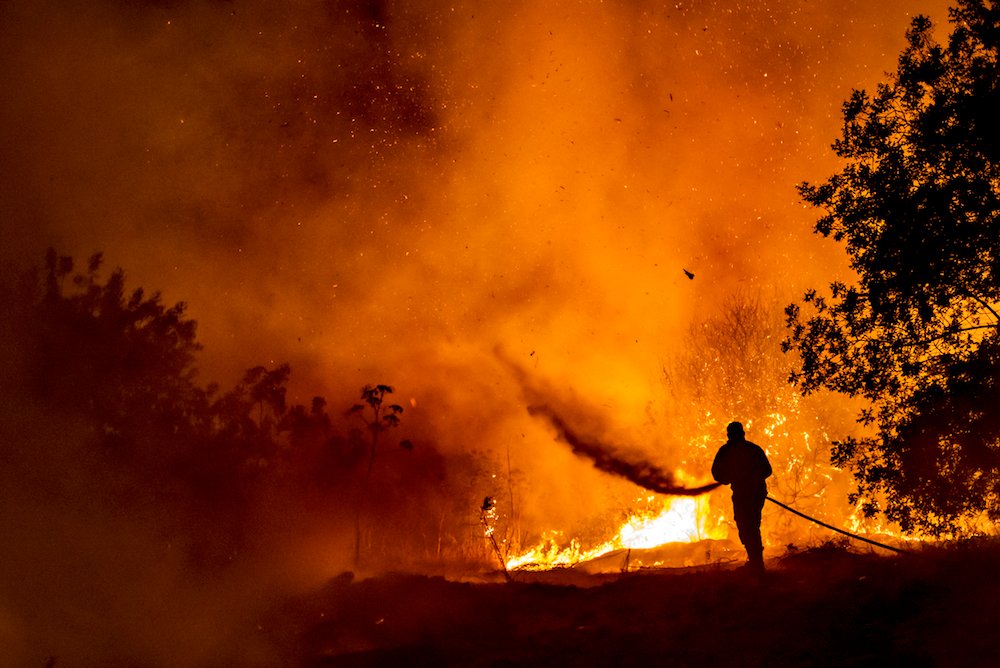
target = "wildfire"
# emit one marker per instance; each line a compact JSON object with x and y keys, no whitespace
{"x":803,"y":476}
{"x":673,"y":520}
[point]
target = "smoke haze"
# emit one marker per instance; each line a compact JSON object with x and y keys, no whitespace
{"x":387,"y":192}
{"x":325,"y":183}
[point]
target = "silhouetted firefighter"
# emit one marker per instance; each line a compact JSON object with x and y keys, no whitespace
{"x":744,"y":466}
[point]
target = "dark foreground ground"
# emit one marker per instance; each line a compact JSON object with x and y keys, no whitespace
{"x":821,"y":607}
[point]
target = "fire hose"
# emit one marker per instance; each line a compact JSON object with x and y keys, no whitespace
{"x":838,"y":530}
{"x":653,"y":478}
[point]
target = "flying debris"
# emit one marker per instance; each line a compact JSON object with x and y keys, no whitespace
{"x":689,"y":274}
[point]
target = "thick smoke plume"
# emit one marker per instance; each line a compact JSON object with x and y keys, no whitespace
{"x":604,"y":458}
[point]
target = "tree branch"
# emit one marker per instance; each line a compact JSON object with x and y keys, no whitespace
{"x":944,"y":335}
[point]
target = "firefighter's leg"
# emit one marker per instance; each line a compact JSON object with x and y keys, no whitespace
{"x":747,"y":514}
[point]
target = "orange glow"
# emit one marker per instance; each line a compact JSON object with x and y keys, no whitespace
{"x":390,"y":192}
{"x":667,"y":520}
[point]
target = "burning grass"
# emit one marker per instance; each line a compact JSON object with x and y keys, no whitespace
{"x":672,"y":521}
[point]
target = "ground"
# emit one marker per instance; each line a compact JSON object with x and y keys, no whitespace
{"x":826,"y":606}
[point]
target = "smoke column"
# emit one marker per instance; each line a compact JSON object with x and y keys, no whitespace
{"x":602,"y":456}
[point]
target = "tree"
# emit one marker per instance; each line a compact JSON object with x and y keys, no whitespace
{"x":123,"y":361}
{"x":249,"y":416}
{"x":383,"y":417}
{"x":917,"y":205}
{"x":112,"y":372}
{"x":310,"y":434}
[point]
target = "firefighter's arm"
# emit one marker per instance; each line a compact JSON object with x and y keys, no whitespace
{"x":765,"y":465}
{"x":720,"y":470}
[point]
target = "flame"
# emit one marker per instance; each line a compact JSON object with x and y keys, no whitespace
{"x":672,"y":520}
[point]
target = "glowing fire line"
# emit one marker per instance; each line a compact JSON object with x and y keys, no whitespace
{"x":681,"y":520}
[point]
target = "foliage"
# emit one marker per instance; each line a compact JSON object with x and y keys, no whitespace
{"x":916,"y":206}
{"x":104,"y":407}
{"x":382,"y":416}
{"x":125,"y":361}
{"x":248,"y":417}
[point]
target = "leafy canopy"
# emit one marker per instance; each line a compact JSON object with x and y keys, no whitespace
{"x":916,"y":205}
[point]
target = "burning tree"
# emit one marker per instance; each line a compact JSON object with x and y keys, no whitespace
{"x":918,"y":334}
{"x":488,"y":518}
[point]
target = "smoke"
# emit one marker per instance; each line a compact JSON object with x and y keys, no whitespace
{"x":325,"y":184}
{"x":385,"y":192}
{"x":100,"y":570}
{"x":595,"y":434}
{"x":604,"y":457}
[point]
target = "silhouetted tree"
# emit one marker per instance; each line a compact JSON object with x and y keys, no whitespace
{"x":381,"y":418}
{"x":917,"y":206}
{"x":114,"y":372}
{"x":104,"y":380}
{"x":322,"y":457}
{"x":247,"y":417}
{"x":124,"y":361}
{"x":308,"y":429}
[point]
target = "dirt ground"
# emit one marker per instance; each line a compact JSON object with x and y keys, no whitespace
{"x":826,"y":606}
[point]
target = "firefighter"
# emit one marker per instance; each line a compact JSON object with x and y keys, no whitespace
{"x":744,"y":466}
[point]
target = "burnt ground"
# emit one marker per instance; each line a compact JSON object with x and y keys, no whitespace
{"x":825,"y":606}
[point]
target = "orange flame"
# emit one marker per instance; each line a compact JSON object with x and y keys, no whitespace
{"x":676,"y":520}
